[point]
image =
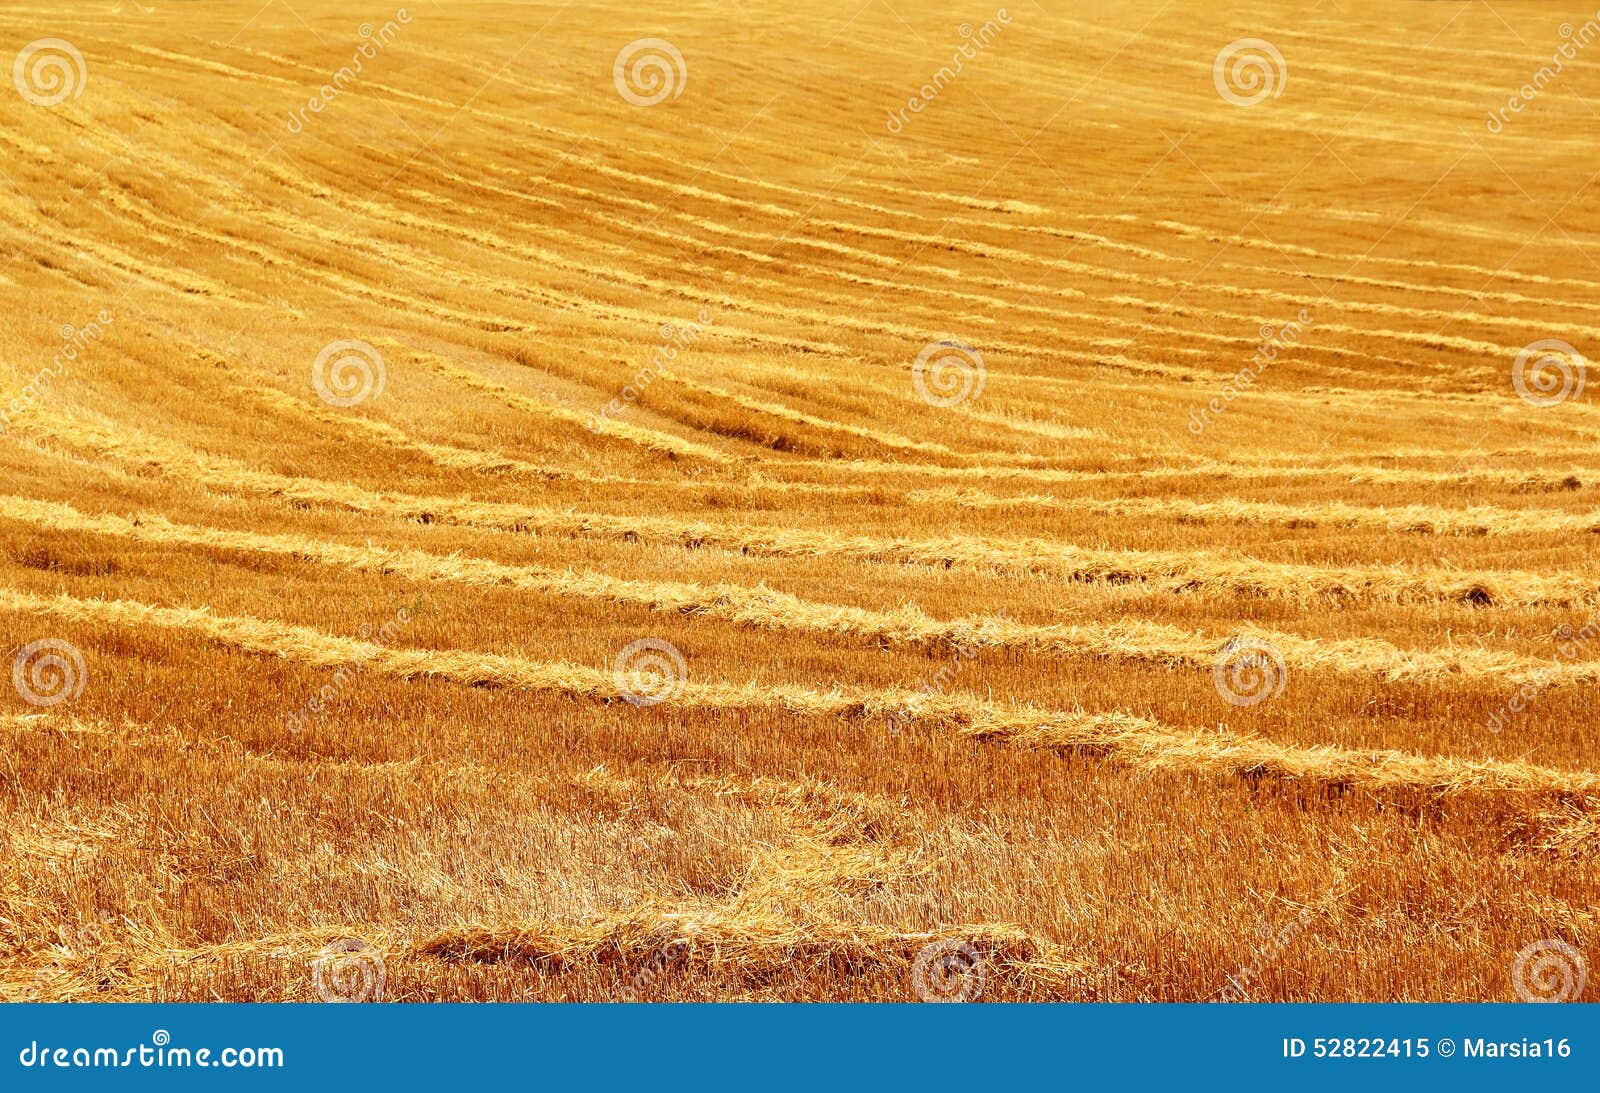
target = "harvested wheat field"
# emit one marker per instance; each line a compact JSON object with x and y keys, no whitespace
{"x":519,"y":501}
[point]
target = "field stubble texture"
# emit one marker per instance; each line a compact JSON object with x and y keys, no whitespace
{"x":592,"y":502}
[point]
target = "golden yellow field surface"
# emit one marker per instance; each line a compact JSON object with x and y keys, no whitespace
{"x":852,"y":502}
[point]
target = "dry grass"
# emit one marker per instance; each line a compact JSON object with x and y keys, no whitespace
{"x":940,"y":675}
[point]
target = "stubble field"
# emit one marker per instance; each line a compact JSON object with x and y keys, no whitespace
{"x":853,"y":503}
